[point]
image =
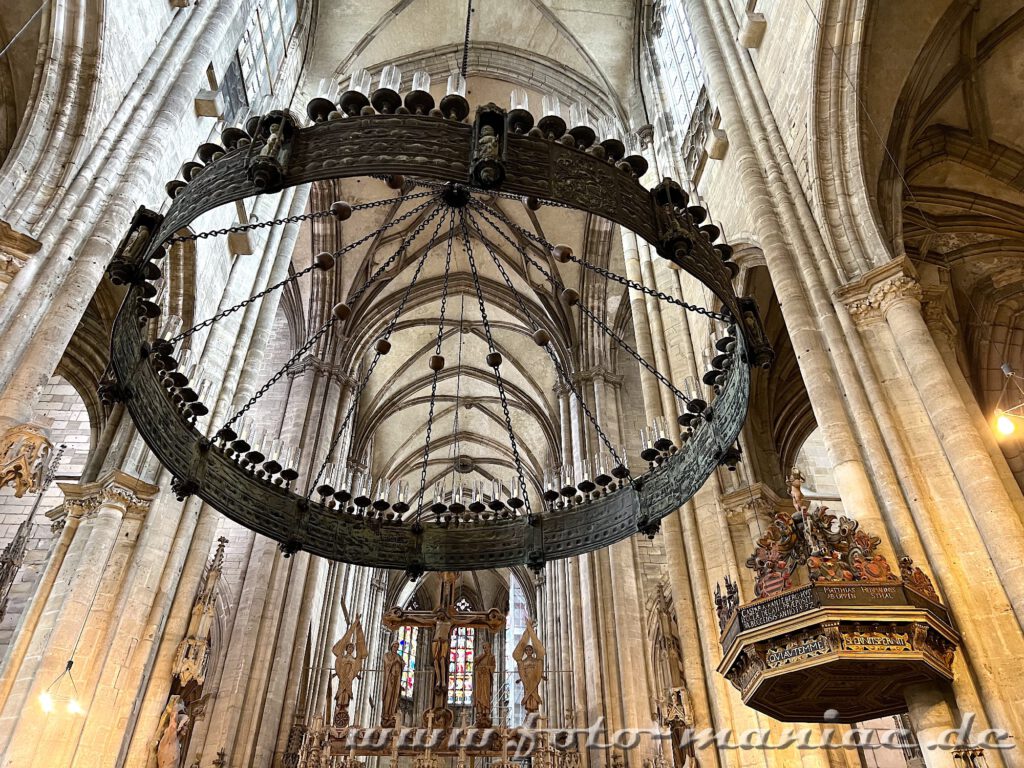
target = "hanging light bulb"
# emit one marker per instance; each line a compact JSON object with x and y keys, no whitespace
{"x":52,"y":696}
{"x":46,"y":702}
{"x":1005,"y":424}
{"x":1006,"y":418}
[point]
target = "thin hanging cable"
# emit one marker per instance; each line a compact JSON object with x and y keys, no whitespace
{"x":25,"y":26}
{"x":864,"y":109}
{"x":559,"y":368}
{"x":324,"y":329}
{"x":435,"y":371}
{"x":293,"y":277}
{"x":594,"y":318}
{"x":357,"y":393}
{"x":497,"y":373}
{"x":465,"y":42}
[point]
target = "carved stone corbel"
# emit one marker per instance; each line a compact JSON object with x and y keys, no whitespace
{"x":15,"y":249}
{"x":25,"y":449}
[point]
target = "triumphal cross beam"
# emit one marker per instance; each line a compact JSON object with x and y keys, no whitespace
{"x":442,"y":621}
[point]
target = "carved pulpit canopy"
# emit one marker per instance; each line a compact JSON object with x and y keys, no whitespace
{"x":831,"y":626}
{"x":813,"y":545}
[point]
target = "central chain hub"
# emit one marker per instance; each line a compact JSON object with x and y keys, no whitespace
{"x":455,"y":195}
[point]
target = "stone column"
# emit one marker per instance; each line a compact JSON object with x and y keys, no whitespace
{"x":930,"y":715}
{"x":627,"y":601}
{"x":102,"y":505}
{"x":899,"y":299}
{"x":46,"y":301}
{"x":641,"y":326}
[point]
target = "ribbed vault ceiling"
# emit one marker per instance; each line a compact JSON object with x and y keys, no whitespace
{"x":951,"y":93}
{"x":469,"y":437}
{"x":581,"y":51}
{"x":589,"y":42}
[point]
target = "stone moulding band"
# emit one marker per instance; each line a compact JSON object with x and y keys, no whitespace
{"x":440,"y":149}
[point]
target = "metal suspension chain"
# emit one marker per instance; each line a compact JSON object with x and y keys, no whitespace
{"x":433,"y":378}
{"x":318,"y":335}
{"x":292,"y":278}
{"x":386,"y":264}
{"x":497,"y":373}
{"x":386,"y":335}
{"x":586,"y":312}
{"x":281,"y":371}
{"x":559,"y":368}
{"x":607,"y":274}
{"x":287,"y":220}
{"x":465,"y":42}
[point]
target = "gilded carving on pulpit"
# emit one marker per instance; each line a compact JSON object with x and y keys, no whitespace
{"x":529,"y":657}
{"x":171,"y":734}
{"x":483,"y":686}
{"x":391,"y":687}
{"x":349,"y":654}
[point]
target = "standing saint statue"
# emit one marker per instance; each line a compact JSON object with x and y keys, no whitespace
{"x":172,"y":731}
{"x":529,"y":656}
{"x":391,"y":686}
{"x":483,"y":686}
{"x":349,"y":653}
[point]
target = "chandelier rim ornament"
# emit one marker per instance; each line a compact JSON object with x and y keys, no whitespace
{"x":497,"y":153}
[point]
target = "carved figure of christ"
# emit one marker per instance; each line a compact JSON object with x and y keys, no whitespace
{"x":442,"y":621}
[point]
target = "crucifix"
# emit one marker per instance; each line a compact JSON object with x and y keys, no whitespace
{"x":442,"y":621}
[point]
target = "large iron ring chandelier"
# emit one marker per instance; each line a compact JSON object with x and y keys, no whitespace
{"x":450,"y":169}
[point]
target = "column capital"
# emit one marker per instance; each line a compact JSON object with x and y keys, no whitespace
{"x":646,"y":135}
{"x":755,"y":499}
{"x":115,"y":489}
{"x":870,"y":296}
{"x":933,"y":307}
{"x":895,"y":290}
{"x":15,"y":250}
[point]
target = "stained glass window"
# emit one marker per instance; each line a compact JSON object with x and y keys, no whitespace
{"x":460,"y":661}
{"x":408,"y":644}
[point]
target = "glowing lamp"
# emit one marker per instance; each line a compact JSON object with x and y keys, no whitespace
{"x":1005,"y":424}
{"x":46,"y":702}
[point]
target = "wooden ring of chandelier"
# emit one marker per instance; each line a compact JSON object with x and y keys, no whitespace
{"x":444,"y":150}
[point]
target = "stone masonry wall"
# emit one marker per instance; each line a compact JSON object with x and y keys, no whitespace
{"x":71,"y":426}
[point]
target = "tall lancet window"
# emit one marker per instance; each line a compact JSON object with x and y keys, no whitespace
{"x":460,"y":663}
{"x":408,"y":646}
{"x":515,"y":626}
{"x":261,"y":49}
{"x":684,"y":93}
